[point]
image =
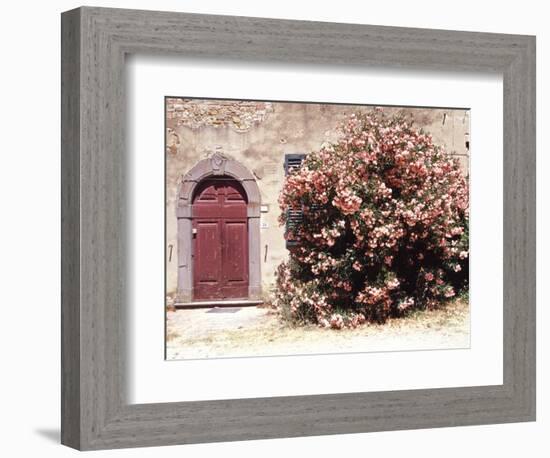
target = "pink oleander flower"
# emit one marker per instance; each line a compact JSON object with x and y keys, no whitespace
{"x":384,"y":226}
{"x":449,"y":292}
{"x":324,"y":323}
{"x":405,"y":304}
{"x":336,"y":321}
{"x":392,"y":284}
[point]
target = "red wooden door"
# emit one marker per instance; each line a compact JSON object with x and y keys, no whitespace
{"x":220,"y":240}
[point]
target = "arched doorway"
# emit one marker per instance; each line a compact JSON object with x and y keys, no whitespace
{"x":237,"y":188}
{"x":220,"y":240}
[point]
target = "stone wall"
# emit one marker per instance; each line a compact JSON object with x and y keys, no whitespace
{"x":197,"y":113}
{"x":258,"y":134}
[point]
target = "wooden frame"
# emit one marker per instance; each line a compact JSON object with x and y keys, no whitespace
{"x":95,"y":414}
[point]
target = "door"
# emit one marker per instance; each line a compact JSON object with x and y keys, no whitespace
{"x":220,"y":240}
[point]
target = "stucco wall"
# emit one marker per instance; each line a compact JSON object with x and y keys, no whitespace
{"x":258,"y":134}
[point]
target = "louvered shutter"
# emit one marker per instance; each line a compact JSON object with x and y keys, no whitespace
{"x":294,"y":217}
{"x":293,"y":161}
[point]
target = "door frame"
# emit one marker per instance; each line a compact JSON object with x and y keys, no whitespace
{"x":216,"y":165}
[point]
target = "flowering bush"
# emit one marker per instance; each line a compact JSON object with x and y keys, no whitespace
{"x":384,"y":227}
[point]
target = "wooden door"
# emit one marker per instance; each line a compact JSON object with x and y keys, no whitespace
{"x":220,"y":240}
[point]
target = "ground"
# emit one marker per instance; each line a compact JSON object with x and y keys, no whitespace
{"x":257,"y":331}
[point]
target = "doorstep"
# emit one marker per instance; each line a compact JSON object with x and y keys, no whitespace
{"x":223,"y":303}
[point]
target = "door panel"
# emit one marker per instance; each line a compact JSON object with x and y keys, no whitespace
{"x":235,"y":244}
{"x":235,"y":255}
{"x":207,"y":266}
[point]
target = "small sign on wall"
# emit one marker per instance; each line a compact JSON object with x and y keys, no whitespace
{"x":264,"y":225}
{"x":264,"y":208}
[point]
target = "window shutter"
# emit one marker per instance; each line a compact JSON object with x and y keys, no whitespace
{"x":293,"y":161}
{"x":294,"y":216}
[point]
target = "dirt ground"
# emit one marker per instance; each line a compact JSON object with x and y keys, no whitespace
{"x":257,"y":331}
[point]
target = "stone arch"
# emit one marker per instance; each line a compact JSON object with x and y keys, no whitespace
{"x":216,"y":165}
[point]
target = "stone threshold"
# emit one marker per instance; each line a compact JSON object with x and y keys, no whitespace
{"x":211,"y":304}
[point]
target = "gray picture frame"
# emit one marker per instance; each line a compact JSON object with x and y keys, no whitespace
{"x":95,"y":412}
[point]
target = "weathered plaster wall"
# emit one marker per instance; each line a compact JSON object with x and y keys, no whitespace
{"x":258,"y":134}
